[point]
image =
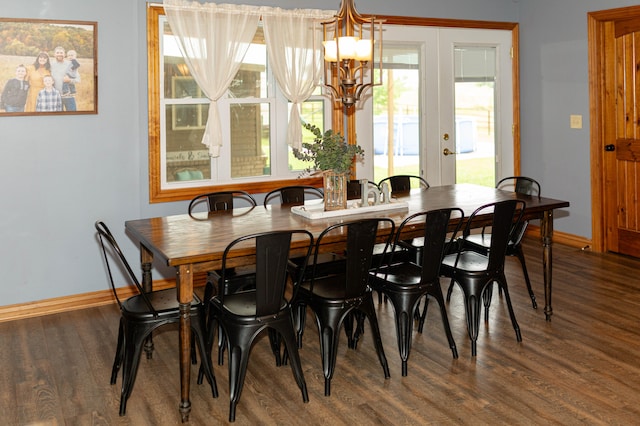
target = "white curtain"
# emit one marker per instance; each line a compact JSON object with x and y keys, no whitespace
{"x":294,"y":46}
{"x":214,"y":39}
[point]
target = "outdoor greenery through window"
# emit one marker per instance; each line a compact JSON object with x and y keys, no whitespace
{"x":254,"y":115}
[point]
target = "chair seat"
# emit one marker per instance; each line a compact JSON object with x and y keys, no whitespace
{"x":326,"y":288}
{"x":480,"y":241}
{"x":242,"y":303}
{"x":403,"y":274}
{"x":164,"y":301}
{"x":469,"y":261}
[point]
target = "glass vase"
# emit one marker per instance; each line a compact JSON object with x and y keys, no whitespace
{"x":335,"y":190}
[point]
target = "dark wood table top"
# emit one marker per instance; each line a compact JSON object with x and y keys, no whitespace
{"x":201,"y":239}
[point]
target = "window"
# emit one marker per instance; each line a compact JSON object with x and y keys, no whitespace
{"x":254,"y":115}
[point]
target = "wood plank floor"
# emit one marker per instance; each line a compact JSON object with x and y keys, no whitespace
{"x":580,"y":368}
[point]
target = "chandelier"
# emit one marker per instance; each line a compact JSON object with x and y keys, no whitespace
{"x":349,"y":59}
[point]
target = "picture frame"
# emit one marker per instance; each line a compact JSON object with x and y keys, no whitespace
{"x":39,"y":72}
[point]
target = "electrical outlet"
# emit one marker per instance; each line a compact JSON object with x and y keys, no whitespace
{"x":575,"y":121}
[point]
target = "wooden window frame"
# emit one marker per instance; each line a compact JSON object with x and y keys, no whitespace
{"x":158,"y":195}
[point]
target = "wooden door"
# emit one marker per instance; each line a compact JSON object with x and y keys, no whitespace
{"x":622,"y":138}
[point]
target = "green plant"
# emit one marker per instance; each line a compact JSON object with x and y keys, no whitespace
{"x":329,"y":150}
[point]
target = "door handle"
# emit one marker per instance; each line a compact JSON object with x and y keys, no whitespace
{"x":447,"y":151}
{"x":610,"y":147}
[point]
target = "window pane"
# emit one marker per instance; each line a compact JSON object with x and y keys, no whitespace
{"x":187,"y":158}
{"x":250,"y":139}
{"x":310,"y":112}
{"x":251,"y":79}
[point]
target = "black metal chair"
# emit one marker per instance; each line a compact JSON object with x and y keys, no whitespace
{"x":244,"y":315}
{"x":405,"y":282}
{"x":481,"y":242}
{"x":222,"y":201}
{"x":475,"y":272}
{"x":402,"y":184}
{"x":237,"y":279}
{"x":226,"y":201}
{"x":334,"y":298}
{"x":141,"y":315}
{"x":294,"y":195}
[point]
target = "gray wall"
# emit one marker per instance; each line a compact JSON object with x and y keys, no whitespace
{"x":60,"y":174}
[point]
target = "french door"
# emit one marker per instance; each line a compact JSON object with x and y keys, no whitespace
{"x":445,"y":110}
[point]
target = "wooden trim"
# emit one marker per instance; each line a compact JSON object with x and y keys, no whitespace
{"x":153,"y":90}
{"x":79,"y":301}
{"x":515,"y":69}
{"x":447,"y":23}
{"x":596,"y":127}
{"x":562,"y":238}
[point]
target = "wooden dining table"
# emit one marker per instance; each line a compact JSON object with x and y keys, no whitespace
{"x":195,"y":243}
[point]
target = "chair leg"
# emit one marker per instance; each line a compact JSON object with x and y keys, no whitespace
{"x":370,"y":311}
{"x":117,"y":362}
{"x":329,"y":323}
{"x":404,"y":306}
{"x":222,"y":344}
{"x":274,"y":342}
{"x":301,"y":317}
{"x":348,"y":329}
{"x":472,"y":305}
{"x":287,"y":334}
{"x":239,"y":345}
{"x":487,"y":295}
{"x":422,"y":317}
{"x":520,"y":255}
{"x":134,"y":340}
{"x":436,"y":292}
{"x":360,"y":318}
{"x":503,"y":284}
{"x":201,"y":336}
{"x":450,"y":290}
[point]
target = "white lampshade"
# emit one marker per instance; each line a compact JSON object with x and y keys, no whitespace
{"x":363,"y":50}
{"x":347,"y":47}
{"x":330,"y":51}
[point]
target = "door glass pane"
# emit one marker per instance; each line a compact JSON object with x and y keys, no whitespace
{"x":475,"y":94}
{"x":396,"y":113}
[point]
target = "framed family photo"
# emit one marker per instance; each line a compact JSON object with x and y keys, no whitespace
{"x":48,"y":67}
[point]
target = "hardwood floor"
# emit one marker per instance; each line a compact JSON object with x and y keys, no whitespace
{"x":580,"y":368}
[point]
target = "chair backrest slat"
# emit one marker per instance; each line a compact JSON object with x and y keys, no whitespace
{"x":272,"y":253}
{"x":222,"y":200}
{"x":402,"y":183}
{"x":436,"y":229}
{"x":505,"y":219}
{"x":522,"y":185}
{"x":362,"y":235}
{"x":294,"y":195}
